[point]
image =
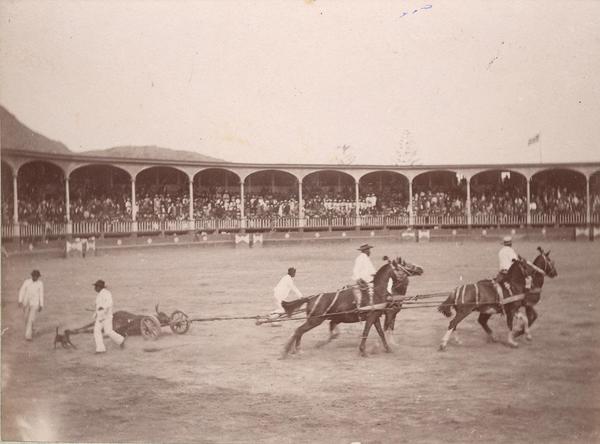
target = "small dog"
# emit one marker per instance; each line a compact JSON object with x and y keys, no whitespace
{"x":63,"y":339}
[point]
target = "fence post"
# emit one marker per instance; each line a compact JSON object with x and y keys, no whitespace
{"x":69,"y":231}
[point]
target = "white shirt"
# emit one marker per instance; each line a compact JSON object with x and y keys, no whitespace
{"x":32,"y":293}
{"x":285,"y":287}
{"x":104,"y":304}
{"x":363,"y":268}
{"x":505,"y":257}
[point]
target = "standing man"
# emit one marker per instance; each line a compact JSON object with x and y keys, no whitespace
{"x":103,"y":317}
{"x":284,"y":288}
{"x":31,"y":300}
{"x":363,"y":272}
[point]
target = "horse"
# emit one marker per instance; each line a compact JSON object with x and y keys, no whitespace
{"x":396,"y":305}
{"x":343,"y":306}
{"x":483,"y":297}
{"x":545,"y":267}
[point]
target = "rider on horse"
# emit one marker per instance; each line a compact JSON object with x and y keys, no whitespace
{"x":362,"y":273}
{"x":506,"y":255}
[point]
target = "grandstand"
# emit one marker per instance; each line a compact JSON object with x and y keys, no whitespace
{"x":50,"y":191}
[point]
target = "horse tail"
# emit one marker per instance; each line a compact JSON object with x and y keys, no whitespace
{"x":446,"y":307}
{"x":291,"y":307}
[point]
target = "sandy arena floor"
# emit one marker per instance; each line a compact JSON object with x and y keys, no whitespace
{"x":224,"y":382}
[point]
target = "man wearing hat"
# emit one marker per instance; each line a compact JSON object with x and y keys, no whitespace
{"x":363,"y":271}
{"x":506,"y":255}
{"x":31,"y":299}
{"x":103,"y":316}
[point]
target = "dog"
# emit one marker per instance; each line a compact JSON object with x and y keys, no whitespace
{"x":63,"y":339}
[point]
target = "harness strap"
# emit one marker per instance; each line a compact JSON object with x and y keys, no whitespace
{"x":332,"y":302}
{"x":514,"y":298}
{"x":456,"y":290}
{"x":316,"y":303}
{"x":379,"y":306}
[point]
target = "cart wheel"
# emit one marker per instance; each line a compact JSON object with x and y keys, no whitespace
{"x":179,"y":323}
{"x":150,"y":327}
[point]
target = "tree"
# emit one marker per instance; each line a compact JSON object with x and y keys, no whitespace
{"x":344,"y":155}
{"x":406,"y":152}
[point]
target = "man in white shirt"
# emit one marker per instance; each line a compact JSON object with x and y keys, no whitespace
{"x":363,"y":267}
{"x":284,"y":288}
{"x":506,"y":255}
{"x":31,"y":300}
{"x":363,"y":271}
{"x":103,"y":316}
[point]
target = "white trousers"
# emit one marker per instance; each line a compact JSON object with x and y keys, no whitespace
{"x":106,"y":326}
{"x":30,"y":313}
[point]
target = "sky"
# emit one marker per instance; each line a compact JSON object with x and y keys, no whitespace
{"x":292,"y":81}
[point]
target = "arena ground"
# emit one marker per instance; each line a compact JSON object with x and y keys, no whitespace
{"x":224,"y":382}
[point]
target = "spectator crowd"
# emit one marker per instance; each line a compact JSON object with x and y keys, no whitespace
{"x":42,"y":203}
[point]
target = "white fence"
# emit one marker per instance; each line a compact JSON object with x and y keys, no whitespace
{"x":97,"y":228}
{"x":559,"y":219}
{"x":490,"y":219}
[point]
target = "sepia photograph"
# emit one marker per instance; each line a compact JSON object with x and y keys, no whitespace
{"x":300,"y":221}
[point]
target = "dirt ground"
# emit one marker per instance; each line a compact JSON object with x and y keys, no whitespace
{"x":224,"y":382}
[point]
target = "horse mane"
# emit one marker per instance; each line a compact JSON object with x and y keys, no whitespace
{"x":515,"y":266}
{"x":381,"y":269}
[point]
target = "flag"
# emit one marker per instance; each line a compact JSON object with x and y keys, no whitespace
{"x":534,"y":139}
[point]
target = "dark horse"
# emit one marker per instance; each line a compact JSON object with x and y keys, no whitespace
{"x":341,"y":306}
{"x":544,"y":267}
{"x":483,"y":297}
{"x":396,"y":305}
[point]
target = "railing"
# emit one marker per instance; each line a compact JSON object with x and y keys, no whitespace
{"x":492,"y":219}
{"x":98,"y":228}
{"x":558,"y":219}
{"x":272,"y":224}
{"x":440,"y":220}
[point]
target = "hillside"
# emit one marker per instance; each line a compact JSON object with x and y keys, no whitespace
{"x":15,"y":135}
{"x":151,"y":152}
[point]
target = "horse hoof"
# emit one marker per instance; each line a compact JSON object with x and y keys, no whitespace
{"x":513,"y":344}
{"x":491,"y":339}
{"x":388,"y":350}
{"x":442,"y":348}
{"x":362,"y":354}
{"x":528,"y":337}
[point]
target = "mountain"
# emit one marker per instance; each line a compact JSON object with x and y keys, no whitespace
{"x":15,"y":135}
{"x":151,"y":152}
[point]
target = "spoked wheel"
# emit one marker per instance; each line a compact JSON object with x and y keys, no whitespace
{"x":179,"y":323}
{"x":150,"y":327}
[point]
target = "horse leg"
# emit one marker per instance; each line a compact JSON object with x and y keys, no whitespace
{"x":333,"y":333}
{"x":461,"y":313}
{"x":388,"y":325}
{"x":483,"y":321}
{"x":531,"y":317}
{"x":368,"y":323}
{"x":294,"y":343}
{"x":382,"y":336}
{"x":510,"y":313}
